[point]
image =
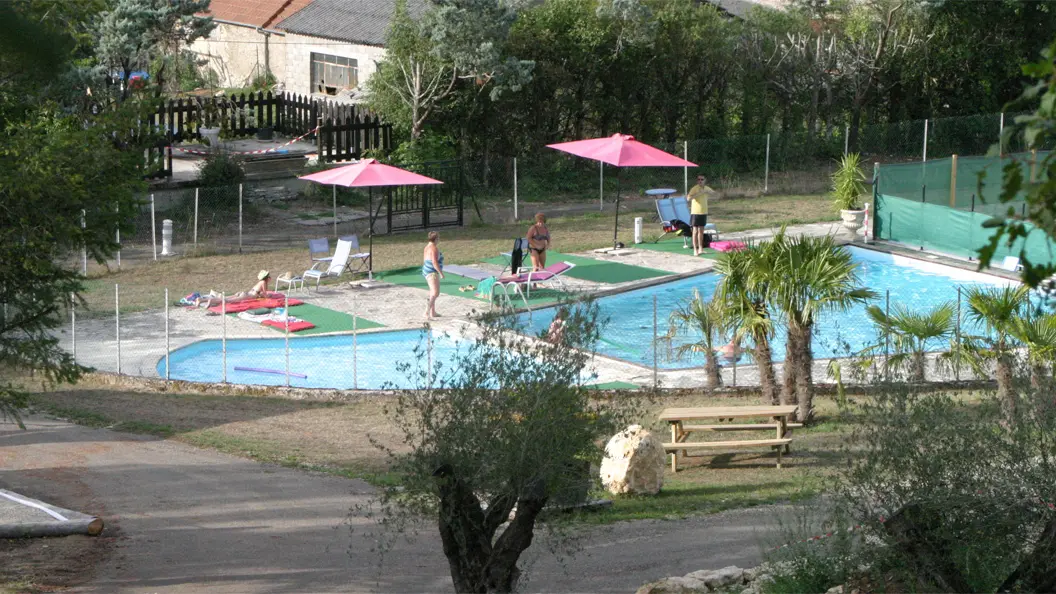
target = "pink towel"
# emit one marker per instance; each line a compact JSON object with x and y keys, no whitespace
{"x":537,"y":277}
{"x":727,"y":246}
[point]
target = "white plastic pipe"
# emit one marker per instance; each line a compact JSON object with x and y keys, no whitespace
{"x":685,"y":170}
{"x":355,"y":346}
{"x":925,"y":157}
{"x":117,"y":233}
{"x":240,"y":218}
{"x":766,"y":171}
{"x":196,"y":218}
{"x":286,"y":313}
{"x":84,"y":247}
{"x":1001,"y":136}
{"x":73,"y":325}
{"x":515,"y":188}
{"x":335,"y":211}
{"x":601,"y":186}
{"x":166,"y":237}
{"x":223,"y":335}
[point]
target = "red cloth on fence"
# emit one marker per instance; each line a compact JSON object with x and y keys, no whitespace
{"x":294,"y":326}
{"x":273,"y":300}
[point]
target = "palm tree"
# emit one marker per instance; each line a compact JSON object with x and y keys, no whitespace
{"x":1038,"y":334}
{"x":912,"y":335}
{"x":707,"y":319}
{"x":811,"y":276}
{"x":997,"y":309}
{"x":742,"y":292}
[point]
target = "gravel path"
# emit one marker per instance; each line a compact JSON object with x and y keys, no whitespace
{"x":190,"y":520}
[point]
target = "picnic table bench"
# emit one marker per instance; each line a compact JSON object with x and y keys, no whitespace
{"x":722,"y":416}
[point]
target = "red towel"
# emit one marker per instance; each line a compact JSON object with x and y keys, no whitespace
{"x":294,"y":326}
{"x":248,"y":304}
{"x":727,"y":246}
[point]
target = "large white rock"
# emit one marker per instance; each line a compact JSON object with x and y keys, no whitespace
{"x":634,"y":462}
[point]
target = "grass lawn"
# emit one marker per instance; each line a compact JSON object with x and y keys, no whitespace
{"x":142,"y":287}
{"x":332,"y":437}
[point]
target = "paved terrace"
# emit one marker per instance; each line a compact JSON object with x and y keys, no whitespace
{"x":397,"y":308}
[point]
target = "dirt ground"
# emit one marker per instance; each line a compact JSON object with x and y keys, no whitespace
{"x":34,"y":565}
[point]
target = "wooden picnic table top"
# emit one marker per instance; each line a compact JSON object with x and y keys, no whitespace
{"x":725,"y":412}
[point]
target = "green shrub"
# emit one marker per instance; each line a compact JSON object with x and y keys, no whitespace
{"x":220,"y":168}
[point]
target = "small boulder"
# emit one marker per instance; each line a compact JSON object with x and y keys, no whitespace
{"x":719,"y":578}
{"x":674,"y":585}
{"x":634,"y":462}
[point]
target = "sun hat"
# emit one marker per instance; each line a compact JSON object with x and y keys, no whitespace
{"x":263,"y":274}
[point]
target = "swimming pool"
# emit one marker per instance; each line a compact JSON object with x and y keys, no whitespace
{"x":325,"y":360}
{"x":917,"y":284}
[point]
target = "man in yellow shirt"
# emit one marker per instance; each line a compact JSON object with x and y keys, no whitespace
{"x":698,"y":212}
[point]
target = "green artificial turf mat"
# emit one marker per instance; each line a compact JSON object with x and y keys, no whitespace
{"x":591,"y":269}
{"x":325,"y":320}
{"x":412,"y":277}
{"x":674,"y":246}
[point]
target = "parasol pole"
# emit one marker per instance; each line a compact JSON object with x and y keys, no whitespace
{"x":616,"y":228}
{"x":370,"y":233}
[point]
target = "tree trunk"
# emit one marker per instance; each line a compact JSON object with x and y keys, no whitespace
{"x":789,"y":369}
{"x":804,"y":376}
{"x":764,"y":362}
{"x":466,"y":531}
{"x":1038,"y":375}
{"x":1006,"y":393}
{"x":919,"y":367}
{"x":711,"y":370}
{"x":856,"y":122}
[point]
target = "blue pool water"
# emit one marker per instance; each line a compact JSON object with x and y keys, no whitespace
{"x":326,"y":360}
{"x":629,"y":332}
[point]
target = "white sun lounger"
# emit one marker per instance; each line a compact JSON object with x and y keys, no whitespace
{"x":337,"y":265}
{"x":521,"y":284}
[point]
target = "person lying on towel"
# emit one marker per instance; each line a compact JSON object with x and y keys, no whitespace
{"x":259,"y":290}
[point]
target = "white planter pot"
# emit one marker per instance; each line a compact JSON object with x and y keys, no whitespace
{"x":852,"y":219}
{"x":212,"y":135}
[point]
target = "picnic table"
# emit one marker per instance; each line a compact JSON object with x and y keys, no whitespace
{"x":722,"y":416}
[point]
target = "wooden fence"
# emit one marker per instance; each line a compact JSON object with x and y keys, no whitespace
{"x":344,"y":130}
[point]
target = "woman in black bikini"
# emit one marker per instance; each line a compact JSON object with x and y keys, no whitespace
{"x":538,"y":242}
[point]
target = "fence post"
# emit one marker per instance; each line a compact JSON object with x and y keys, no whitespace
{"x":117,"y":233}
{"x":223,"y":336}
{"x":153,"y":229}
{"x":240,"y":218}
{"x":887,"y":336}
{"x":84,"y":246}
{"x":355,"y":345}
{"x":117,"y":324}
{"x":846,"y":138}
{"x":1033,"y":164}
{"x":957,"y":338}
{"x":766,"y":171}
{"x":73,"y":326}
{"x":286,"y":313}
{"x":601,"y":186}
{"x":515,"y":188}
{"x":685,"y":170}
{"x":335,"y":211}
{"x":1001,"y":136}
{"x":953,"y":181}
{"x":196,"y":219}
{"x":167,"y":349}
{"x":925,"y":157}
{"x":656,"y":338}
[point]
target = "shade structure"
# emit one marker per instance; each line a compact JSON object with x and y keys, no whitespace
{"x":368,"y":173}
{"x":621,"y":150}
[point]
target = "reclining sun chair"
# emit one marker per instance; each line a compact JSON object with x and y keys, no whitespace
{"x":363,"y":258}
{"x":521,"y":284}
{"x":336,"y":266}
{"x":670,"y":222}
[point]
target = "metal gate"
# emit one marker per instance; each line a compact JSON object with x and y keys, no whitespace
{"x":425,"y":207}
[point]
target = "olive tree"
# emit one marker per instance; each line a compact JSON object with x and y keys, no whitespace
{"x":507,"y":429}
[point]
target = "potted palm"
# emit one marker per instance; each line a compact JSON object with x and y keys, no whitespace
{"x":848,"y":185}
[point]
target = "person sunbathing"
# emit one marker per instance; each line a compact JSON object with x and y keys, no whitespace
{"x":259,"y":291}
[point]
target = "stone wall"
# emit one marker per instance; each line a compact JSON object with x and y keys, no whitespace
{"x":299,"y":48}
{"x":236,"y":53}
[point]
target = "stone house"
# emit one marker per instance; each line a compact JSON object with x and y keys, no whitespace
{"x":325,"y":48}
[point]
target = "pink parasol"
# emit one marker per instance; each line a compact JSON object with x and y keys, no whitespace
{"x":367,"y":173}
{"x":621,"y":150}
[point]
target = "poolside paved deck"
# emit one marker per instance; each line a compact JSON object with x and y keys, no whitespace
{"x":396,"y":307}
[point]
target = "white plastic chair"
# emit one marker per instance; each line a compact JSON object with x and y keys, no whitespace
{"x":1011,"y":264}
{"x":337,"y":265}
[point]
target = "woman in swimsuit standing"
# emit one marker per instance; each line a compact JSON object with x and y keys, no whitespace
{"x":538,"y":242}
{"x":433,"y":271}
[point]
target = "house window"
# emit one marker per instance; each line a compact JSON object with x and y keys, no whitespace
{"x":331,"y":74}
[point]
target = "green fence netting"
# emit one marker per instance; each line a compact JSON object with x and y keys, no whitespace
{"x":950,"y":231}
